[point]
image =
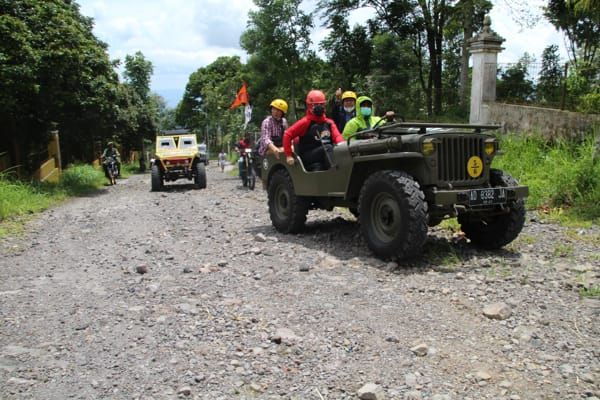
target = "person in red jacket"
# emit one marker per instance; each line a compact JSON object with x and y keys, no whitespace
{"x":316,"y":135}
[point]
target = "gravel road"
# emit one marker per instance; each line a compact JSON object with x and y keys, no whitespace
{"x":132,"y":294}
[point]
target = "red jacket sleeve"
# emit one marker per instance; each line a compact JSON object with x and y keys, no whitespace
{"x":294,"y":131}
{"x":336,"y":136}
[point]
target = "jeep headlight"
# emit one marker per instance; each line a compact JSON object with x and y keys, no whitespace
{"x":428,"y":147}
{"x":490,"y":147}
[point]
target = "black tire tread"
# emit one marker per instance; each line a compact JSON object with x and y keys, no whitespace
{"x":200,"y":176}
{"x":504,"y":228}
{"x":299,"y":205}
{"x":155,"y":178}
{"x":416,"y":234}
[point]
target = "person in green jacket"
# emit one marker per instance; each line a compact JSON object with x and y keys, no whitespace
{"x":365,"y":118}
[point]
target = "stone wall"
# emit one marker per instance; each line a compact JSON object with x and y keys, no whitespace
{"x":550,"y":123}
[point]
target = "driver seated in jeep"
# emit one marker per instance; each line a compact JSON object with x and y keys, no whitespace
{"x":316,"y":135}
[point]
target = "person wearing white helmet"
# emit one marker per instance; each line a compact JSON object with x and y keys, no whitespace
{"x":272,"y":128}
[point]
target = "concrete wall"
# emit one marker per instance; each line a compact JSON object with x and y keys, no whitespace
{"x":550,"y":123}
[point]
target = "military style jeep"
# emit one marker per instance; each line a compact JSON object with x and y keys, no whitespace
{"x":176,"y":156}
{"x":403,"y":178}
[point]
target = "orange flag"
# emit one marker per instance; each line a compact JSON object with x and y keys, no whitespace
{"x":241,"y":98}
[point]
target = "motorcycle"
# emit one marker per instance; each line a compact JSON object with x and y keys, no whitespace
{"x":247,"y":171}
{"x":112,"y":169}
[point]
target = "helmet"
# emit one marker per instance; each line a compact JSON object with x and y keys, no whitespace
{"x":110,"y":144}
{"x":348,"y":95}
{"x":315,"y":97}
{"x":280,"y":105}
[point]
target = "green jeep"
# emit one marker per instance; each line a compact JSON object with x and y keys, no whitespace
{"x":403,"y":178}
{"x":176,"y":156}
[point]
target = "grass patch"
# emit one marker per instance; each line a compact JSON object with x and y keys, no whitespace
{"x":442,"y":254}
{"x":593,"y":292}
{"x":563,"y":176}
{"x":563,"y":250}
{"x":19,"y":199}
{"x":129,"y":169}
{"x":450,"y":224}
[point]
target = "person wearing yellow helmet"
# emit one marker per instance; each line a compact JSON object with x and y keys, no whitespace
{"x":272,"y":128}
{"x":343,"y":108}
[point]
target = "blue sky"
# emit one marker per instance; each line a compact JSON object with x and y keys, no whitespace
{"x":180,"y":36}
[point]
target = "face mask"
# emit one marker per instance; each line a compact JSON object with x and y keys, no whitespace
{"x":318,"y":110}
{"x":365,"y":111}
{"x":348,"y":109}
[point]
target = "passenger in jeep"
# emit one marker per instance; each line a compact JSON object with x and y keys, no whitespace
{"x":316,"y":135}
{"x":272,"y":128}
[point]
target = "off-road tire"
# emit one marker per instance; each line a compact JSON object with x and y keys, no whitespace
{"x":200,"y":177}
{"x":494,"y":231}
{"x":393,"y":214}
{"x":156,"y":178}
{"x":251,"y":178}
{"x":244,"y":177}
{"x":287,"y":210}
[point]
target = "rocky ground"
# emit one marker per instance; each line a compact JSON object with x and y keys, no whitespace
{"x":132,"y":294}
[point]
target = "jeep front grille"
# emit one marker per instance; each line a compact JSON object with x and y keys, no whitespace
{"x":453,"y":154}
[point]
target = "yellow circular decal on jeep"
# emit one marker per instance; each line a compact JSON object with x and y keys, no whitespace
{"x":474,"y":167}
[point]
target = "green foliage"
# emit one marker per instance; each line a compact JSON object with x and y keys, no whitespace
{"x":348,"y":51}
{"x":278,"y":35}
{"x":55,"y":74}
{"x":81,"y":179}
{"x":559,"y":175}
{"x":549,"y":85}
{"x":514,"y":84}
{"x":580,"y":25}
{"x":590,"y":103}
{"x":138,"y":72}
{"x":20,"y":198}
{"x":205,"y":104}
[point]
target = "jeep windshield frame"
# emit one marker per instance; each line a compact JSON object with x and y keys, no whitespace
{"x":411,"y":128}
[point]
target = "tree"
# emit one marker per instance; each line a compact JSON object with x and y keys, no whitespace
{"x":208,"y":94}
{"x":138,"y":72}
{"x":514,"y":84}
{"x":423,"y":21}
{"x":551,"y":76}
{"x":55,"y":75}
{"x":278,"y":34}
{"x":348,"y":51}
{"x":580,"y":25}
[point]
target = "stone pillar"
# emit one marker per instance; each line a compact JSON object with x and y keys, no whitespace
{"x":484,"y":49}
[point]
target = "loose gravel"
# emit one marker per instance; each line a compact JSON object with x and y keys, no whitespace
{"x":186,"y":293}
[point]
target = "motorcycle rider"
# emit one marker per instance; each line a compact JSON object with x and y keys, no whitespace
{"x":110,"y":152}
{"x":316,"y":135}
{"x":240,"y":147}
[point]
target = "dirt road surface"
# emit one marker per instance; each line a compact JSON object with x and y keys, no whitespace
{"x":132,"y":294}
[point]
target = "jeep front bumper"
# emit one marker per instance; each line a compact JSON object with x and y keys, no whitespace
{"x":476,"y":197}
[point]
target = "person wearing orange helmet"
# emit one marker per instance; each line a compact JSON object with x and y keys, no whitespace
{"x":343,"y":108}
{"x":272,"y":128}
{"x":316,"y":135}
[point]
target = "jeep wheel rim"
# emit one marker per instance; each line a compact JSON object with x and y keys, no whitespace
{"x":385,"y":217}
{"x":282,"y":200}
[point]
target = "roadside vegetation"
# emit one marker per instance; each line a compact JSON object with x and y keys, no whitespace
{"x":563,"y":176}
{"x":19,"y":199}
